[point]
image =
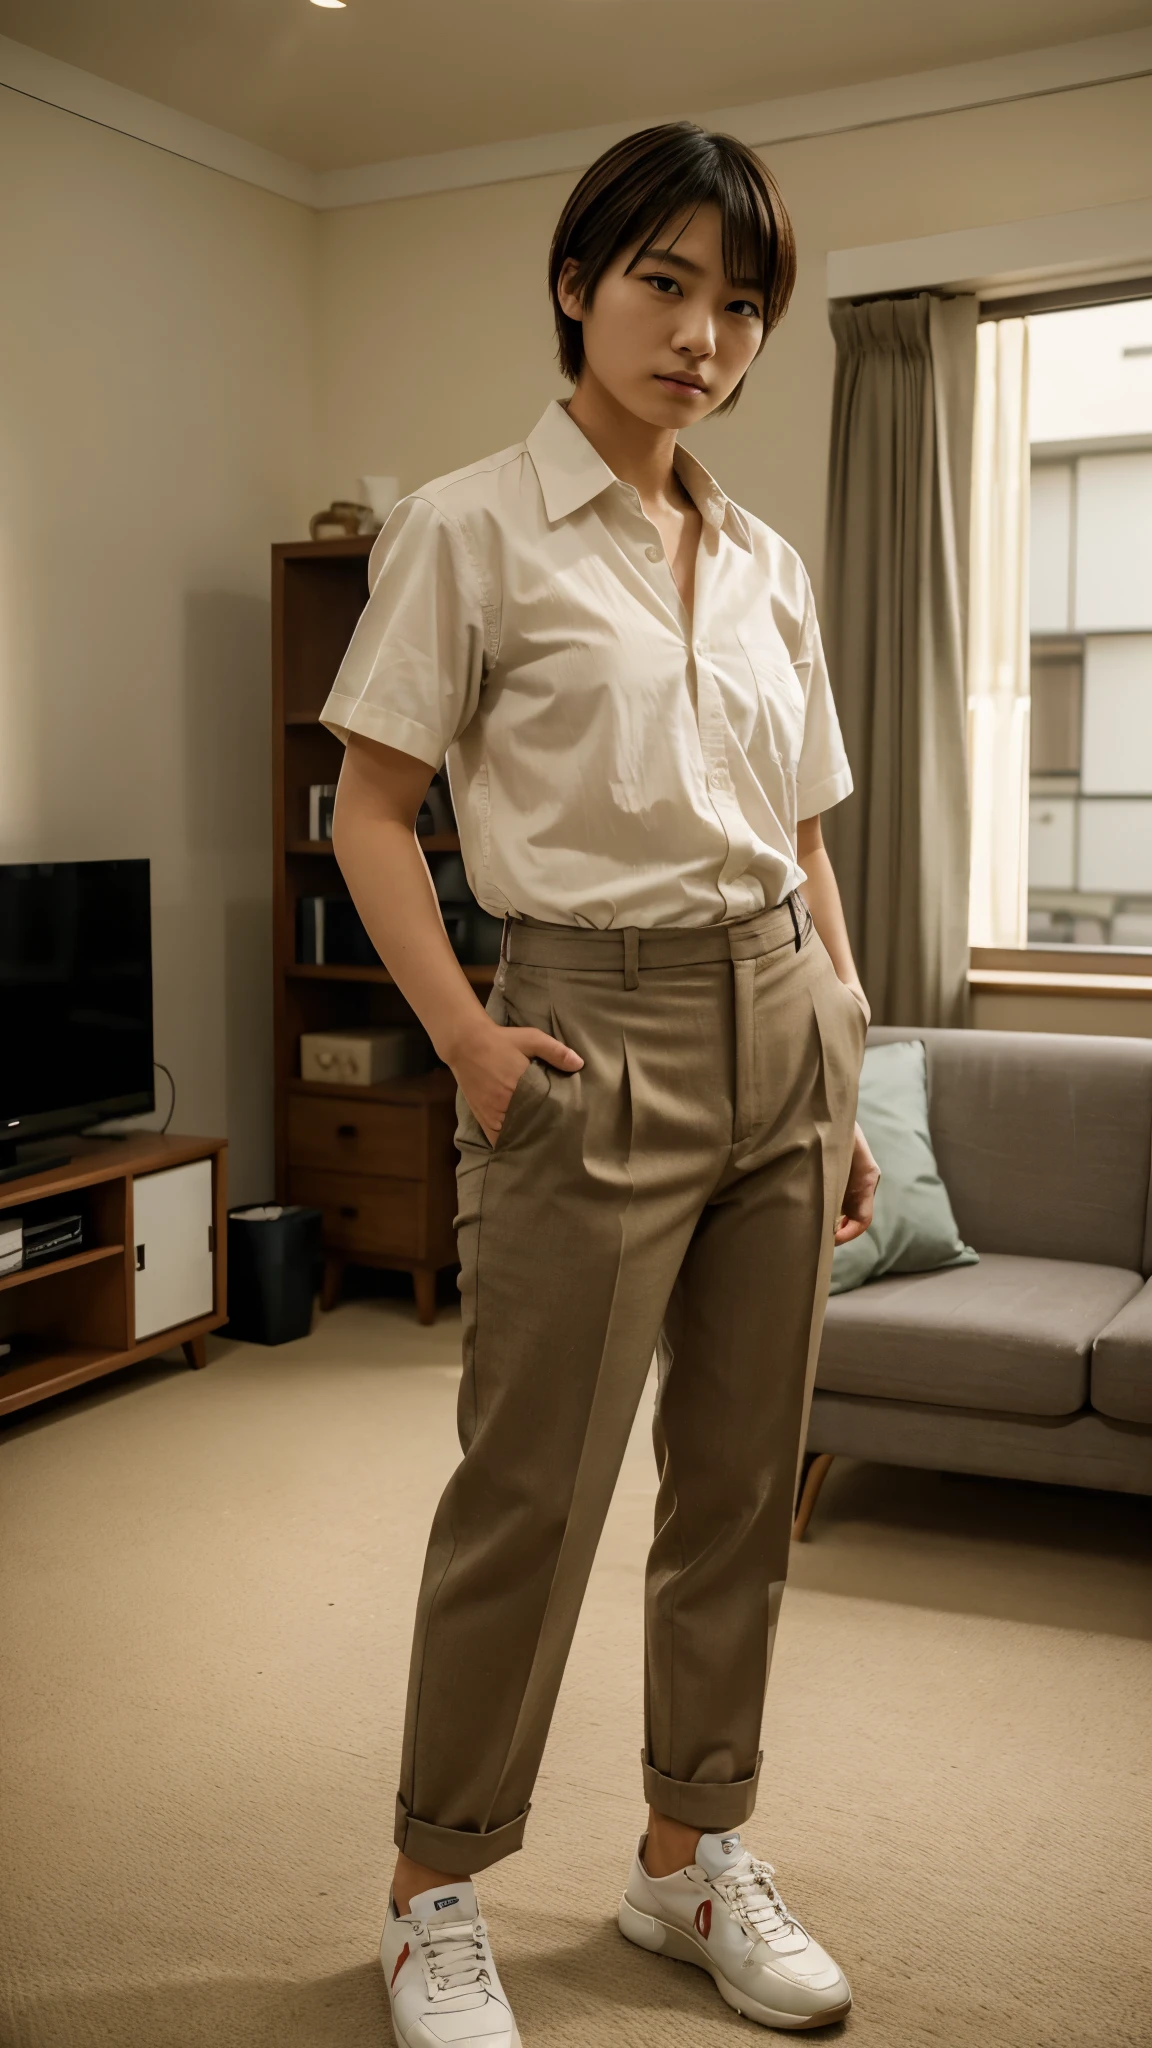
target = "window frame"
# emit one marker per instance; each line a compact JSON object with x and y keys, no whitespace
{"x":1041,"y":969}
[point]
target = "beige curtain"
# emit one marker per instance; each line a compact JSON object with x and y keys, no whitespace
{"x":895,"y":623}
{"x":999,"y":701}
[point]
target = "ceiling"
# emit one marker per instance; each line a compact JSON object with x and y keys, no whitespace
{"x":395,"y":78}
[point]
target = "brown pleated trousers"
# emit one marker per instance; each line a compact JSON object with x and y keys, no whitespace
{"x":679,"y":1195}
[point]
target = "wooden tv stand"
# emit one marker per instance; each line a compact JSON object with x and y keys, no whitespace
{"x":77,"y":1315}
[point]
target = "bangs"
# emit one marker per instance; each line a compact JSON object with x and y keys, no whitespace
{"x":637,"y":189}
{"x":747,"y":229}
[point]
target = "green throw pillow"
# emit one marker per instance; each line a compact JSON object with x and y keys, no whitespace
{"x":913,"y":1228}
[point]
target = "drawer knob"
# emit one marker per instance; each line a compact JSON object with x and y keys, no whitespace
{"x":345,"y":1130}
{"x":347,"y":1210}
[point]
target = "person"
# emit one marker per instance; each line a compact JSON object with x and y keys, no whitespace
{"x":656,"y":1105}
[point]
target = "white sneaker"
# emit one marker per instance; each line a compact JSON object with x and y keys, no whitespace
{"x":442,"y":1981}
{"x":724,"y":1914}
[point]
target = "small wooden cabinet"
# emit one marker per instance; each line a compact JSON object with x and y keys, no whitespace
{"x":379,"y":1163}
{"x":147,"y":1200}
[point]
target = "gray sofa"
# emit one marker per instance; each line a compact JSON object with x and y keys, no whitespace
{"x":1037,"y":1363}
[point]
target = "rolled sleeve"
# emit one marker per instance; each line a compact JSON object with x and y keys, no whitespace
{"x":414,"y":668}
{"x":823,"y":776}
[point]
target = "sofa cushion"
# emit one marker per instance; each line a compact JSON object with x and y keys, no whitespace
{"x":913,"y":1229}
{"x":1010,"y":1334}
{"x":1043,"y":1140}
{"x":1122,"y":1363}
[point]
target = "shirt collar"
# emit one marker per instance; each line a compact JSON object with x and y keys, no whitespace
{"x":709,"y":500}
{"x":571,"y":474}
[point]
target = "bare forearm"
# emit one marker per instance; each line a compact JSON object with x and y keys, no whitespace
{"x":378,"y":800}
{"x":823,"y":898}
{"x":383,"y":864}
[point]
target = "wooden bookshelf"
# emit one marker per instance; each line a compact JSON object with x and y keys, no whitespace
{"x":387,"y":1192}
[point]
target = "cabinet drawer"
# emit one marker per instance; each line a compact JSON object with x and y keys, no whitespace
{"x":364,"y":1212}
{"x":357,"y":1137}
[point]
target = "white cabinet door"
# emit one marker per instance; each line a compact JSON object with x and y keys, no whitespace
{"x":173,"y":1241}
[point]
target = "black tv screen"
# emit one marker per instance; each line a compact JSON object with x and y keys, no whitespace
{"x":75,"y":995}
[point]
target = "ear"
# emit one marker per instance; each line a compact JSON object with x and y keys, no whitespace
{"x":570,"y":303}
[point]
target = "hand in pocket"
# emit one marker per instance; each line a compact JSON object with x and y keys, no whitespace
{"x":489,"y":1068}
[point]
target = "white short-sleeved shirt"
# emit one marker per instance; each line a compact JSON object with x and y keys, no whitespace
{"x":612,"y":762}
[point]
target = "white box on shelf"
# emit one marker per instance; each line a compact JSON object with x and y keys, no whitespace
{"x":358,"y":1059}
{"x":172,"y":1234}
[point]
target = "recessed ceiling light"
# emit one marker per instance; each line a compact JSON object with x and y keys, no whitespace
{"x":329,"y":3}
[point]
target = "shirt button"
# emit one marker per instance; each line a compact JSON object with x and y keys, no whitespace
{"x":718,"y":778}
{"x":653,"y":552}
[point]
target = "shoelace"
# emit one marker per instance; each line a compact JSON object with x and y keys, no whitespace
{"x":455,"y":1954}
{"x":758,"y":1903}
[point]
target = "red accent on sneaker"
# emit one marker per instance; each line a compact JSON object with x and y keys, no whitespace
{"x":704,"y":1918}
{"x":401,"y":1959}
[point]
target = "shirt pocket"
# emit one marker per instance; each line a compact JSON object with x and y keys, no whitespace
{"x":780,"y":695}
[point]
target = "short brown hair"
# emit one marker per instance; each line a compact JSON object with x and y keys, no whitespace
{"x":631,"y":193}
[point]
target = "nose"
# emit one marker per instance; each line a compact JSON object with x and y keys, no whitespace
{"x":696,"y":336}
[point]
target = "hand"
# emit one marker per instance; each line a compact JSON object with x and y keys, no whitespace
{"x":860,"y":1193}
{"x":490,"y":1062}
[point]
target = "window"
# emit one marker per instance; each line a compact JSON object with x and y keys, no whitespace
{"x":1090,"y":752}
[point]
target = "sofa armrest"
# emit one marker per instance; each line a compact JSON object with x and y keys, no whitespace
{"x":1122,"y":1362}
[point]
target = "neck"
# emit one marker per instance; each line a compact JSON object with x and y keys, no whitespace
{"x":636,"y":452}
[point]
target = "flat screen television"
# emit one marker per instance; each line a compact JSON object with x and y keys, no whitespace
{"x":75,"y":1000}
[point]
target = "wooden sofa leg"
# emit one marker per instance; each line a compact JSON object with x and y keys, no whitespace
{"x":814,"y":1479}
{"x":424,"y":1288}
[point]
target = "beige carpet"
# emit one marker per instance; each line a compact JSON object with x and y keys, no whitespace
{"x":207,"y":1586}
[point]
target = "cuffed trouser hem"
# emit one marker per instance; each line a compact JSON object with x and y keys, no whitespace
{"x":460,"y":1851}
{"x":710,"y":1807}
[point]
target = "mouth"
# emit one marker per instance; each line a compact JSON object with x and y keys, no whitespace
{"x":681,"y":386}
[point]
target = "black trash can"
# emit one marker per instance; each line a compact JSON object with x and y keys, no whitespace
{"x":275,"y":1258}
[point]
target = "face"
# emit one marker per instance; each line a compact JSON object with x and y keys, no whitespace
{"x":670,"y":338}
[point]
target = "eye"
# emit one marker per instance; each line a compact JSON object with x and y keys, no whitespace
{"x":663,"y":284}
{"x":747,"y":308}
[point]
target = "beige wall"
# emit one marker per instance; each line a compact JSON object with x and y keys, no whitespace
{"x":436,"y":340}
{"x":156,"y":393}
{"x":188,"y":366}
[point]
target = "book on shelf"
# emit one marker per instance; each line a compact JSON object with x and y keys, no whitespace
{"x":330,"y":933}
{"x":321,"y":802}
